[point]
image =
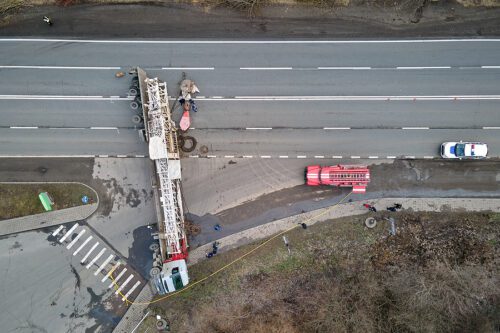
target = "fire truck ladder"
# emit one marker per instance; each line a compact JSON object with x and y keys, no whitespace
{"x":164,"y":151}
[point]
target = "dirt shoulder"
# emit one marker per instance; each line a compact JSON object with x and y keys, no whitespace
{"x":362,"y":19}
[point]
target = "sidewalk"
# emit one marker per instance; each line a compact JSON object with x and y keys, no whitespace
{"x":345,"y":209}
{"x":47,"y":219}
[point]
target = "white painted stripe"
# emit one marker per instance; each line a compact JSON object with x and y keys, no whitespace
{"x":56,"y":67}
{"x":68,"y":128}
{"x":104,"y":128}
{"x":111,"y":271}
{"x":188,"y":68}
{"x":200,"y":97}
{"x":319,"y":156}
{"x":301,"y":156}
{"x":336,"y":156}
{"x":490,"y":67}
{"x":217,"y":97}
{"x":64,"y":98}
{"x":82,"y":246}
{"x":410,"y":157}
{"x":73,"y":242}
{"x":424,"y":67}
{"x":247,"y":156}
{"x":117,"y":278}
{"x":114,"y":96}
{"x":90,"y":251}
{"x":336,"y":128}
{"x":39,"y":156}
{"x":259,"y":128}
{"x":58,"y":230}
{"x":372,"y":157}
{"x":140,"y":156}
{"x":103,"y":155}
{"x":266,"y":68}
{"x":228,"y":156}
{"x":429,"y":157}
{"x":95,"y":258}
{"x":362,"y":98}
{"x":194,"y":156}
{"x":265,"y":156}
{"x":211,"y":156}
{"x":131,"y":290}
{"x":24,"y":127}
{"x":355,"y":157}
{"x":415,"y":128}
{"x":131,"y":276}
{"x":396,"y":41}
{"x":283,"y":156}
{"x":491,"y":128}
{"x":121,"y":156}
{"x":351,"y":68}
{"x":108,"y":259}
{"x":391,"y":157}
{"x":70,"y":231}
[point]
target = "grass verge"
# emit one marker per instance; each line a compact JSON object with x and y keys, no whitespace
{"x":22,"y":199}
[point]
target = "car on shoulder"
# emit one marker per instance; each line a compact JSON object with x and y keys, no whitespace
{"x":464,"y":150}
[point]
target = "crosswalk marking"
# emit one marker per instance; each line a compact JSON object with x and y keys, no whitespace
{"x":124,"y":284}
{"x":95,"y":258}
{"x":104,"y":264}
{"x":131,"y":290}
{"x":111,"y":271}
{"x":58,"y":230}
{"x":73,"y":242}
{"x":118,"y":277}
{"x":81,"y":246}
{"x":88,"y":253}
{"x":70,"y":231}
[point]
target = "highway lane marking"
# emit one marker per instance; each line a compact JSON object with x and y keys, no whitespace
{"x":247,"y":156}
{"x":58,"y":230}
{"x":424,"y":67}
{"x":410,"y":157}
{"x":95,"y":258}
{"x":131,"y":290}
{"x":73,"y":242}
{"x":103,"y":128}
{"x":140,"y":156}
{"x":188,"y":68}
{"x":266,"y":68}
{"x":88,"y":253}
{"x":336,"y":156}
{"x":319,"y":156}
{"x":258,"y":128}
{"x":490,"y":67}
{"x":83,"y":245}
{"x":355,"y":157}
{"x":491,"y":127}
{"x":130,"y":277}
{"x":64,"y":98}
{"x":70,"y":231}
{"x":301,"y":156}
{"x":194,"y":156}
{"x":359,"y":98}
{"x":229,"y":156}
{"x":415,"y":128}
{"x":372,"y":157}
{"x":428,"y":157}
{"x":57,"y":67}
{"x":391,"y":157}
{"x":349,"y":68}
{"x":118,"y":277}
{"x":121,"y":156}
{"x":111,"y":271}
{"x":24,"y":127}
{"x":108,"y":259}
{"x":211,"y":156}
{"x":283,"y":156}
{"x":396,"y":41}
{"x":336,"y":128}
{"x":103,"y":156}
{"x":265,"y":156}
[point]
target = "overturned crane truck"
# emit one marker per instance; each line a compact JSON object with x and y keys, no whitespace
{"x":355,"y":176}
{"x":169,"y":272}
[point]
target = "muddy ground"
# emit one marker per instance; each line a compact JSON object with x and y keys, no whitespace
{"x":374,"y":19}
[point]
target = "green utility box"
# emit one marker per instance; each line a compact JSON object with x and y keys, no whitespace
{"x":46,"y":201}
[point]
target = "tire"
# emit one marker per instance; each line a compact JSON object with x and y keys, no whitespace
{"x":185,"y":139}
{"x":134,"y":105}
{"x":154,"y":246}
{"x":137,"y":119}
{"x":133,"y":92}
{"x":370,"y":222}
{"x":161,"y":325}
{"x":154,"y":272}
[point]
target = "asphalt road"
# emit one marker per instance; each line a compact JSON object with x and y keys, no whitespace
{"x":375,"y":98}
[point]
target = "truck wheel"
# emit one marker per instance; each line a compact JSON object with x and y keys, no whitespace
{"x":154,"y":272}
{"x":132,"y":91}
{"x":154,"y":246}
{"x":134,"y":105}
{"x":137,"y":119}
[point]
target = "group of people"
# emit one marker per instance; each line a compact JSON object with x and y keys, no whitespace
{"x":215,"y":248}
{"x":394,"y":208}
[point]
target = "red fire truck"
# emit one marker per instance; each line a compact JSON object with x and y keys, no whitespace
{"x":355,"y":176}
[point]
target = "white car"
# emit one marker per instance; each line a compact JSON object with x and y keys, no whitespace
{"x":464,"y":150}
